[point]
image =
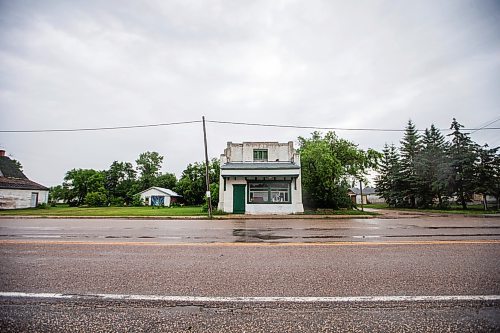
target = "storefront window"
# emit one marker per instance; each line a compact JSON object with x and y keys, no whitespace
{"x":269,"y":192}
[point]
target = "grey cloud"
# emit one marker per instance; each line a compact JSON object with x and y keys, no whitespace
{"x":324,"y":63}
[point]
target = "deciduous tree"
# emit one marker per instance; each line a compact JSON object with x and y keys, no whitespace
{"x":79,"y":182}
{"x":148,"y":165}
{"x":328,"y":163}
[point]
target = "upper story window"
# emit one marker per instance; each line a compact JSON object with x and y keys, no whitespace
{"x":260,"y":155}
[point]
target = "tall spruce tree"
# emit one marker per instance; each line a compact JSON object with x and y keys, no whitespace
{"x":410,"y":148}
{"x":463,"y":156}
{"x":487,"y":172}
{"x":388,"y":182}
{"x":433,"y":169}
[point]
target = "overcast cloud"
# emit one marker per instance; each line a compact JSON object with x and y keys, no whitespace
{"x":376,"y":64}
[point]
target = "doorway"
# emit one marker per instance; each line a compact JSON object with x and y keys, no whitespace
{"x":239,"y":199}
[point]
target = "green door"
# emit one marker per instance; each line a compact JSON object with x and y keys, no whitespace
{"x":239,"y":199}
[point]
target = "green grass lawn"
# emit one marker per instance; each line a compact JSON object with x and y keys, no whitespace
{"x":107,"y":211}
{"x":454,"y":209}
{"x":64,"y":210}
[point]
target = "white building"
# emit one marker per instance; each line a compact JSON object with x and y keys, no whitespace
{"x":16,"y":190}
{"x":159,"y":196}
{"x":260,"y":178}
{"x":370,"y":196}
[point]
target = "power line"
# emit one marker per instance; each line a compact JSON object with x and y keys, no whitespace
{"x":236,"y":123}
{"x":303,"y":127}
{"x":336,"y":128}
{"x":489,"y":123}
{"x":100,"y":128}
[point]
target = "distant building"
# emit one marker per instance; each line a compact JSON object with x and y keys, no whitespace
{"x":369,"y":196}
{"x":260,"y":178}
{"x":16,"y":190}
{"x":159,"y":196}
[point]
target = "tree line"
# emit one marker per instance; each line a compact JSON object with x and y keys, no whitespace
{"x":431,"y":170}
{"x":121,"y":183}
{"x":426,"y":170}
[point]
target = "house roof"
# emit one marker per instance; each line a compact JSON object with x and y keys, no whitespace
{"x":366,"y":190}
{"x":9,"y":169}
{"x":259,"y":166}
{"x":20,"y":184}
{"x":13,"y":178}
{"x":164,"y":190}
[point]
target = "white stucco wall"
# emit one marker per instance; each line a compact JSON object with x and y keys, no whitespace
{"x":226,"y":199}
{"x":17,"y":199}
{"x":243,"y":152}
{"x":151,"y":192}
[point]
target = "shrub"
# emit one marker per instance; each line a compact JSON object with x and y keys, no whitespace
{"x":137,"y":200}
{"x":117,"y":202}
{"x":96,"y":199}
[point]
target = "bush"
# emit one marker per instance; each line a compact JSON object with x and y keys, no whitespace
{"x":96,"y":199}
{"x":137,"y":200}
{"x":117,"y":202}
{"x":42,"y":206}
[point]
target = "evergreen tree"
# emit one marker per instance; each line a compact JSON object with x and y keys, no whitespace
{"x":410,"y":148}
{"x":433,"y":169}
{"x":388,"y":182}
{"x":463,"y":158}
{"x":495,"y":191}
{"x":487,"y":172}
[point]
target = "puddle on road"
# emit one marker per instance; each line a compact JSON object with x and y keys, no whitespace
{"x":245,"y":234}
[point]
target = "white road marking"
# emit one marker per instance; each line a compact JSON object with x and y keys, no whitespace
{"x":277,"y":299}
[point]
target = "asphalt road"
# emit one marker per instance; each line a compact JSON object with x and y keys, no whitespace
{"x":251,"y":231}
{"x":281,"y":259}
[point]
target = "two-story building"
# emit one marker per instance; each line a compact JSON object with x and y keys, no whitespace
{"x":260,"y":178}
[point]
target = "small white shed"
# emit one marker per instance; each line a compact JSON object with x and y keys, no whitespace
{"x":159,"y":196}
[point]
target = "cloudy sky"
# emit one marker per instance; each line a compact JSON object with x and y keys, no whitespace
{"x":345,"y":64}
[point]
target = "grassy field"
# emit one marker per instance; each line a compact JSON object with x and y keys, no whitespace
{"x":454,"y":209}
{"x":107,"y":211}
{"x":64,"y":210}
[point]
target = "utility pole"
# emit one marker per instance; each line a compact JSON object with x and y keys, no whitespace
{"x":361,"y":192}
{"x":207,"y":174}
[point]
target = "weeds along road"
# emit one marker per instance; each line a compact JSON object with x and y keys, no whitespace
{"x":429,"y":274}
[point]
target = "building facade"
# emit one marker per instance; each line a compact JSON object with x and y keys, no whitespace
{"x":260,"y":178}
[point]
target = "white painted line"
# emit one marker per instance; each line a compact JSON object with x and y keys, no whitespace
{"x":277,"y":299}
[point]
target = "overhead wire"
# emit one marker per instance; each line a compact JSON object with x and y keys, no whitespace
{"x":101,"y":128}
{"x":484,"y":126}
{"x":234,"y":123}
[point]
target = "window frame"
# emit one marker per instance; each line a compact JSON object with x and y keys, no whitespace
{"x":261,"y":151}
{"x":269,"y":190}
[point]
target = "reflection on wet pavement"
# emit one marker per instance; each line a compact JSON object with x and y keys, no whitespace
{"x":252,"y":230}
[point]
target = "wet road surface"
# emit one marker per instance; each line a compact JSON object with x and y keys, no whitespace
{"x":250,"y":258}
{"x":296,"y":230}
